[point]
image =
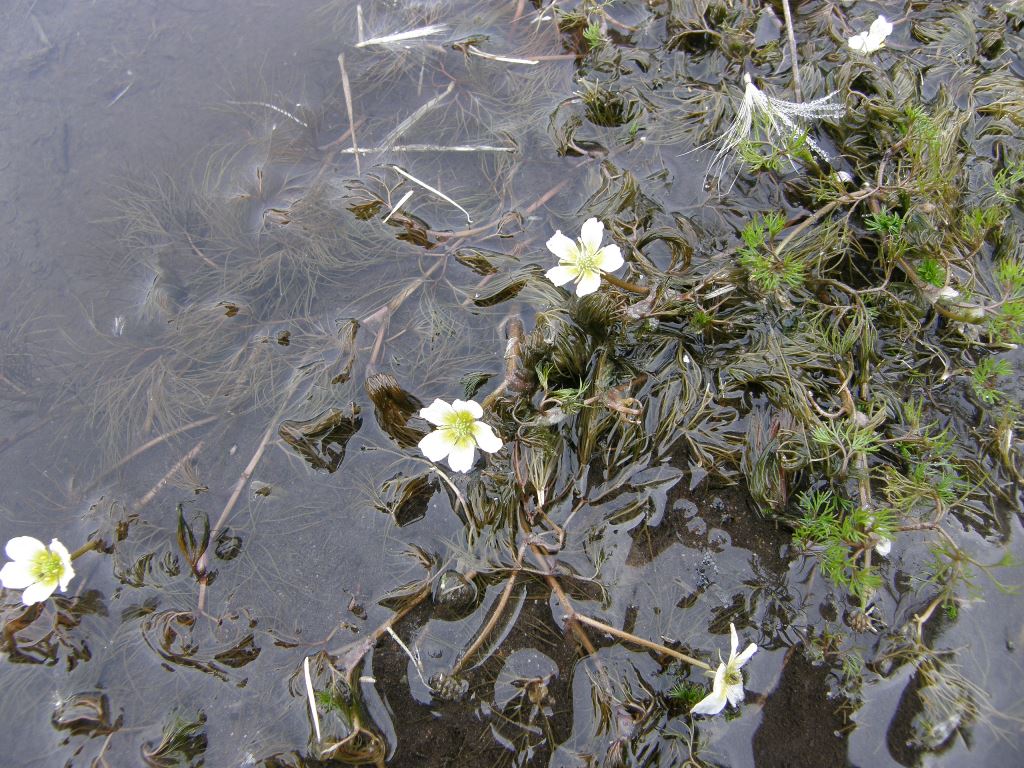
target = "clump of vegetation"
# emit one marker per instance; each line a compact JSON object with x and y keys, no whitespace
{"x":801,"y":361}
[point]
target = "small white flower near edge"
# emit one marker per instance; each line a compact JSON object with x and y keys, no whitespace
{"x":585,"y":260}
{"x":36,"y":568}
{"x":459,"y":432}
{"x":728,"y":685}
{"x":874,"y":38}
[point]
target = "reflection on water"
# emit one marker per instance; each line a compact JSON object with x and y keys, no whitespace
{"x":227,"y":246}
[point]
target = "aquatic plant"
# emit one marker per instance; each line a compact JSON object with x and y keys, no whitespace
{"x":458,"y":432}
{"x":815,"y":370}
{"x":777,"y":119}
{"x":585,"y":261}
{"x":36,"y":568}
{"x":728,"y":685}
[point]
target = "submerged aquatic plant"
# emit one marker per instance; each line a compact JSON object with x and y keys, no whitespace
{"x":777,"y":119}
{"x":874,"y":38}
{"x":728,"y":685}
{"x":585,"y":260}
{"x":36,"y":568}
{"x":459,"y":432}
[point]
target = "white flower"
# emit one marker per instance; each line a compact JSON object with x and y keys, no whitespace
{"x":36,"y":569}
{"x":775,"y":118}
{"x":728,"y":684}
{"x":459,"y":432}
{"x":583,"y":261}
{"x":874,"y":38}
{"x":883,"y":544}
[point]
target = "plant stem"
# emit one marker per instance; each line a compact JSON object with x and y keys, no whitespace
{"x":626,"y":285}
{"x":635,"y":640}
{"x":152,"y":492}
{"x":155,"y":442}
{"x":88,"y":546}
{"x":576,"y":618}
{"x":792,"y":50}
{"x":489,"y":626}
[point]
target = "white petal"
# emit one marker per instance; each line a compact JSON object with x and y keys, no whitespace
{"x":859,"y":42}
{"x":711,"y":704}
{"x":592,"y":234}
{"x":744,"y":657}
{"x":461,"y":457}
{"x":714,"y":702}
{"x":880,"y":29}
{"x":24,"y":548}
{"x":437,"y":444}
{"x":734,"y":642}
{"x":66,"y":577}
{"x":589,"y":282}
{"x":17,"y":575}
{"x":564,"y":248}
{"x":485,"y":438}
{"x":438,"y":412}
{"x":884,"y":546}
{"x":461,"y":406}
{"x":68,"y":572}
{"x":874,"y":43}
{"x":610,"y":258}
{"x":734,"y":693}
{"x":37,"y":593}
{"x":561,"y":274}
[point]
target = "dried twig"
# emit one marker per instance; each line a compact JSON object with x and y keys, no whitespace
{"x":348,"y":106}
{"x":312,"y":698}
{"x":427,"y":148}
{"x":155,"y":442}
{"x":792,"y":50}
{"x":152,"y":492}
{"x":403,"y":126}
{"x":396,"y":206}
{"x":494,"y":57}
{"x":273,"y":107}
{"x":429,"y":188}
{"x":492,"y":622}
{"x":399,"y":37}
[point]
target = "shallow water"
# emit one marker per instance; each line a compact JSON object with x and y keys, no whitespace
{"x":192,"y":261}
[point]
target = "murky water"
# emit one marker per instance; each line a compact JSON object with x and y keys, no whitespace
{"x":218,"y":327}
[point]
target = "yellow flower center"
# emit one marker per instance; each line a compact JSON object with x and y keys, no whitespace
{"x":461,"y":427}
{"x":586,"y":260}
{"x":47,"y":567}
{"x":733,"y":676}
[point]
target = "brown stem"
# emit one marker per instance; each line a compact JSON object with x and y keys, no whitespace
{"x":920,"y":619}
{"x":626,"y":285}
{"x":491,"y":224}
{"x":87,"y":547}
{"x":489,"y":626}
{"x":576,"y":618}
{"x":155,"y":442}
{"x":152,"y":492}
{"x":792,"y":49}
{"x":388,"y":623}
{"x":635,"y":640}
{"x":236,"y":492}
{"x":970,"y":317}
